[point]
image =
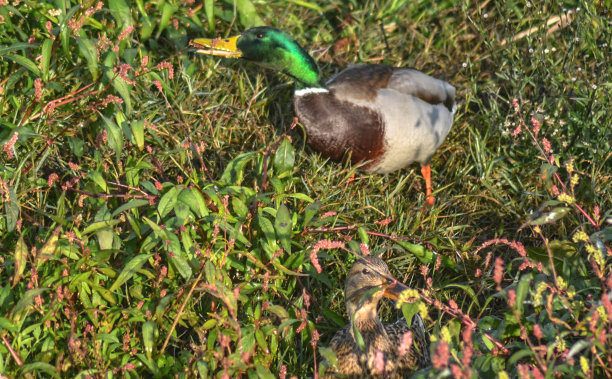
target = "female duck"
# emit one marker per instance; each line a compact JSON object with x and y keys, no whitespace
{"x":380,"y":354}
{"x":384,"y":117}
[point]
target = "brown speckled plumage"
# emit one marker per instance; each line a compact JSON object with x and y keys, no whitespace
{"x":380,"y":356}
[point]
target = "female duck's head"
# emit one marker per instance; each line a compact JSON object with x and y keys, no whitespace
{"x":268,"y":47}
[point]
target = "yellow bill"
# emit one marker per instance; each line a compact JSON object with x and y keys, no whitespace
{"x":222,"y":47}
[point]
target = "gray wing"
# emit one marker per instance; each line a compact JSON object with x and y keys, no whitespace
{"x":418,"y":355}
{"x":423,"y":86}
{"x":361,"y":83}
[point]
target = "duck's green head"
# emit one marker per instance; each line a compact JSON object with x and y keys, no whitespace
{"x":268,"y":47}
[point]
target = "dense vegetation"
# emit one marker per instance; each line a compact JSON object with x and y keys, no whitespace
{"x":162,"y":215}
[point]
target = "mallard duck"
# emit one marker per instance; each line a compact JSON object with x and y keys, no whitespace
{"x":380,"y":356}
{"x":384,"y":117}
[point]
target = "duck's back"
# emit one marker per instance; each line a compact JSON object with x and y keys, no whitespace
{"x":387,"y":116}
{"x":357,"y":363}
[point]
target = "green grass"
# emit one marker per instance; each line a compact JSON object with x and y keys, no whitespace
{"x":171,"y":232}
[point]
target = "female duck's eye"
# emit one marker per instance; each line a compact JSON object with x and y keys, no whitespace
{"x":260,"y":35}
{"x":365,"y":271}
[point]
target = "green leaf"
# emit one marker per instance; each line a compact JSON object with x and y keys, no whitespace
{"x":138,"y":133}
{"x":121,"y":12}
{"x":549,"y":217}
{"x":40,"y":367}
{"x":248,"y":14}
{"x":21,"y":256}
{"x":239,"y":207}
{"x":149,"y":332}
{"x":12,"y":208}
{"x":129,"y":270}
{"x":25,"y":62}
{"x":25,"y":300}
{"x":88,"y":51}
{"x":15,"y":47}
{"x":167,"y":12}
{"x":134,"y":203}
{"x":261,"y":340}
{"x":423,"y":255}
{"x":94,"y":227}
{"x":279,"y":311}
{"x":194,"y":200}
{"x":176,"y":256}
{"x":234,"y":172}
{"x":209,"y":8}
{"x":521,"y":291}
{"x":283,"y":227}
{"x":210,"y":271}
{"x":168,"y":201}
{"x":263,"y":372}
{"x":115,"y":136}
{"x":363,"y":235}
{"x":284,"y":157}
{"x":123,"y":88}
{"x":97,"y":178}
{"x":105,"y":238}
{"x":46,"y":49}
{"x":329,"y":355}
{"x":266,"y":227}
{"x":310,"y":211}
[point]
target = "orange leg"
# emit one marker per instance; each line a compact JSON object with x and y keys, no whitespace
{"x":426,"y":171}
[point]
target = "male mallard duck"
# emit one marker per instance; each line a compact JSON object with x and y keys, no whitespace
{"x":386,"y":117}
{"x":367,"y":282}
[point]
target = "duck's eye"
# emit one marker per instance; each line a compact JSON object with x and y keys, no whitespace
{"x":365,"y":271}
{"x":260,"y":35}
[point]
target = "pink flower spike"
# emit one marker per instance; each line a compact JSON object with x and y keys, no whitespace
{"x":406,"y":344}
{"x":379,"y":362}
{"x":536,"y":125}
{"x":537,"y":331}
{"x":9,"y":146}
{"x":547,"y":145}
{"x":498,"y":271}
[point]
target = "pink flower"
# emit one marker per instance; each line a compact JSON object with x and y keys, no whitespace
{"x":38,"y":89}
{"x":498,"y":271}
{"x":52,"y":179}
{"x":441,"y":355}
{"x":304,"y":317}
{"x":512,"y":297}
{"x":9,"y":146}
{"x":168,"y":66}
{"x":424,"y":270}
{"x":125,"y":33}
{"x":159,"y":86}
{"x":49,"y":27}
{"x":383,"y":222}
{"x":379,"y":362}
{"x":282,"y":373}
{"x":537,"y":331}
{"x":547,"y":146}
{"x":536,"y":125}
{"x":405,"y":344}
